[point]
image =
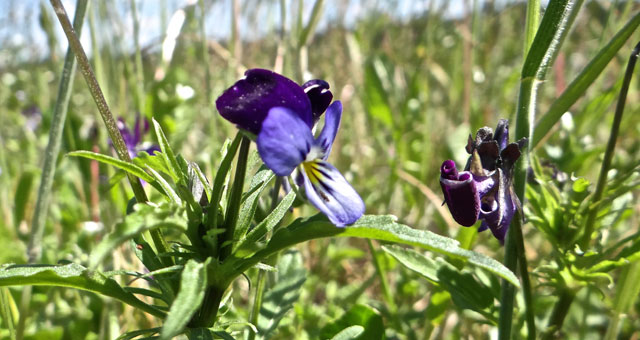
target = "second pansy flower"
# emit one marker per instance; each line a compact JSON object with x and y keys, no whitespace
{"x":282,"y":114}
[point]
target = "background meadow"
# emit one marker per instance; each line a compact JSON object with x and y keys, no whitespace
{"x":415,"y":79}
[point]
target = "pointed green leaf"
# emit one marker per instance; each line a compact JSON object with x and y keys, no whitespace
{"x":250,"y":200}
{"x":167,"y":153}
{"x":126,"y":166}
{"x":193,"y":285}
{"x":383,"y":228}
{"x":349,"y":333}
{"x":72,"y":276}
{"x":359,"y":315}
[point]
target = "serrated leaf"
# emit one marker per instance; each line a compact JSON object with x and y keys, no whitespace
{"x":383,"y":228}
{"x":193,"y":285}
{"x":359,"y":315}
{"x":126,"y":166}
{"x":279,"y":298}
{"x":73,"y":276}
{"x":145,"y":217}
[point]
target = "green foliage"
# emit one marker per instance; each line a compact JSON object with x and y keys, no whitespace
{"x":360,"y":315}
{"x":282,"y":294}
{"x":193,"y":284}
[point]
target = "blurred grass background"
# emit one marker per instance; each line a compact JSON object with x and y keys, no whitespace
{"x":415,"y":79}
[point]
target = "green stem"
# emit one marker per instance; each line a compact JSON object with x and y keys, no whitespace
{"x":382,"y":275}
{"x":526,"y":282}
{"x":559,"y":313}
{"x":231,"y":215}
{"x":34,"y":248}
{"x":257,"y":302}
{"x":209,"y":310}
{"x":608,"y":154}
{"x":508,"y":290}
{"x":261,"y":284}
{"x":103,"y":108}
{"x":627,"y":291}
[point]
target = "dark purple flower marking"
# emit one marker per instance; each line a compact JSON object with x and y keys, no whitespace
{"x":484,"y":190}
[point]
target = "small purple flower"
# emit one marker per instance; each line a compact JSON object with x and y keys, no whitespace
{"x":133,"y":139}
{"x":282,"y":115}
{"x":249,"y":100}
{"x":484,"y":189}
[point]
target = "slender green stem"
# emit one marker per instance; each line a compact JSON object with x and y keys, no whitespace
{"x":208,"y":312}
{"x":382,"y":274}
{"x":526,"y":282}
{"x":34,"y":248}
{"x":257,"y":302}
{"x":609,"y":152}
{"x":261,"y":282}
{"x":231,"y":215}
{"x":627,"y":291}
{"x":103,"y":108}
{"x":508,"y":290}
{"x":559,"y":313}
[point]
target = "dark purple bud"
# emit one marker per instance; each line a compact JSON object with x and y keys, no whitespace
{"x":249,"y":100}
{"x":460,"y":194}
{"x":320,"y":96}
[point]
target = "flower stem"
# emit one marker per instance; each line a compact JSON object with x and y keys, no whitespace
{"x":608,"y":154}
{"x":103,"y":108}
{"x":209,"y":310}
{"x":34,"y":248}
{"x":233,"y":208}
{"x":559,"y":313}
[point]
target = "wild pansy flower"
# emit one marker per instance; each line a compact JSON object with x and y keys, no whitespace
{"x":484,"y":189}
{"x":133,"y":139}
{"x":282,"y":114}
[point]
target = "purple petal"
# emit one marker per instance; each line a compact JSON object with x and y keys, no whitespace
{"x":330,"y":192}
{"x":448,"y":170}
{"x":126,"y":134}
{"x":249,"y":100}
{"x":460,"y":194}
{"x":284,"y":141}
{"x":501,"y":135}
{"x":330,"y":129}
{"x":497,"y":211}
{"x":319,"y":95}
{"x":152,"y":149}
{"x":137,"y":133}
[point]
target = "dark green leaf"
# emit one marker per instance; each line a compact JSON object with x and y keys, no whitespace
{"x":248,"y":246}
{"x":193,"y":285}
{"x":279,"y":298}
{"x":359,"y":315}
{"x":72,"y":276}
{"x":384,"y":228}
{"x":219,"y":183}
{"x":250,"y":201}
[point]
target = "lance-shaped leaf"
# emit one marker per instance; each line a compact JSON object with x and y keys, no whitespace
{"x":72,"y":276}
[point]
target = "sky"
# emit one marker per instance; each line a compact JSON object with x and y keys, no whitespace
{"x":21,"y":31}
